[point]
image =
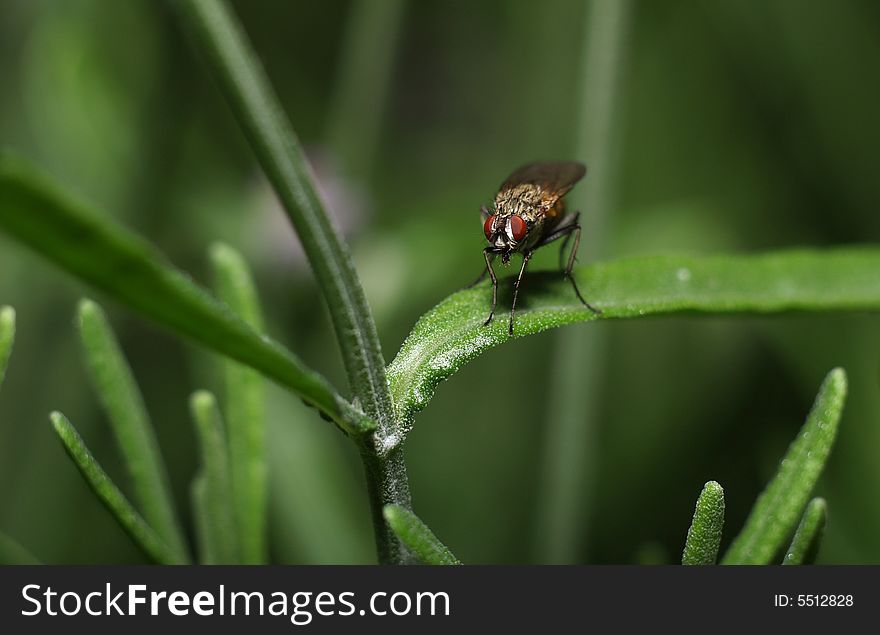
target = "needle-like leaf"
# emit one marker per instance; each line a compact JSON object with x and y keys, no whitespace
{"x":704,"y":535}
{"x":452,"y":333}
{"x":7,"y":337}
{"x":805,"y":544}
{"x":113,"y":499}
{"x":256,"y":107}
{"x":121,"y":398}
{"x":215,"y":519}
{"x":11,"y":552}
{"x":130,"y":271}
{"x":245,"y":410}
{"x":777,"y":510}
{"x":417,"y":537}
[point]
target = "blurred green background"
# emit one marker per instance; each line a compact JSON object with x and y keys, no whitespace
{"x":740,"y":126}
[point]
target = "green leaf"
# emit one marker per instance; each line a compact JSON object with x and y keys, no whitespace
{"x":256,"y":107}
{"x":118,"y":392}
{"x":452,"y":333}
{"x":11,"y":552}
{"x":245,"y":410}
{"x":361,"y":89}
{"x":113,"y":499}
{"x":7,"y":337}
{"x":805,"y":544}
{"x":417,"y":537}
{"x":213,"y":507}
{"x":778,"y":508}
{"x":246,"y":86}
{"x":704,"y":535}
{"x":130,"y":271}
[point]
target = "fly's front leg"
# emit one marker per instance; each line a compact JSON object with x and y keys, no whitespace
{"x":526,"y":257}
{"x":490,"y":256}
{"x":487,"y":252}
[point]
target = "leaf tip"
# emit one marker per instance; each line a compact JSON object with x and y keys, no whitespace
{"x":89,"y":311}
{"x":201,"y":401}
{"x":836,"y":380}
{"x":391,"y":513}
{"x":59,"y":421}
{"x":713,"y":492}
{"x":7,"y":318}
{"x":223,"y":254}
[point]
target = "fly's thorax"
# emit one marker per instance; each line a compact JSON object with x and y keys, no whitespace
{"x":527,"y":201}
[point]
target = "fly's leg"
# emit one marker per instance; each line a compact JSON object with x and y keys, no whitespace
{"x":569,"y":228}
{"x":526,"y":257}
{"x":489,"y":256}
{"x":576,"y":231}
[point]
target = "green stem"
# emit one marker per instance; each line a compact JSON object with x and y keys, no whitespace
{"x":255,"y":105}
{"x":569,"y":461}
{"x":387,"y":484}
{"x":361,"y":87}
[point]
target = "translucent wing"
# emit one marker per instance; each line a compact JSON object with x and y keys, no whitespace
{"x":553,"y":178}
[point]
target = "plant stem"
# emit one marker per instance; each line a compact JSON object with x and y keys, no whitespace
{"x":361,"y":86}
{"x":258,"y":111}
{"x":387,"y":484}
{"x":568,"y":461}
{"x":277,"y":148}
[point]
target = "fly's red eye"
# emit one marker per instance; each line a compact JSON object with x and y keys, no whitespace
{"x":517,"y":228}
{"x":487,"y":227}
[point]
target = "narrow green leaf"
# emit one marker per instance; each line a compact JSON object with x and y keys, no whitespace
{"x":417,"y":537}
{"x":113,"y":499}
{"x":7,"y":337}
{"x":258,"y":111}
{"x":574,"y":400}
{"x":212,"y":503}
{"x":11,"y":552}
{"x":805,"y":544}
{"x":361,"y":89}
{"x":452,"y":333}
{"x":130,"y":271}
{"x":778,"y":508}
{"x":704,"y":535}
{"x":245,"y":410}
{"x":255,"y":105}
{"x":121,"y":398}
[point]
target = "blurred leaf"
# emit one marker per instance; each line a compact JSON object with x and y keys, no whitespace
{"x":569,"y":460}
{"x":212,"y":504}
{"x":417,"y":537}
{"x":113,"y":499}
{"x":132,"y":272}
{"x":249,"y":92}
{"x":704,"y":535}
{"x":452,"y":333}
{"x":780,"y":505}
{"x":361,"y":86}
{"x":805,"y":544}
{"x":120,"y":396}
{"x":7,"y":337}
{"x":11,"y":552}
{"x":245,"y":410}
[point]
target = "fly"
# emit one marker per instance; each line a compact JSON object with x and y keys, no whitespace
{"x":528,"y":213}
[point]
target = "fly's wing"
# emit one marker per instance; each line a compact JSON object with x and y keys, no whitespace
{"x":553,"y":178}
